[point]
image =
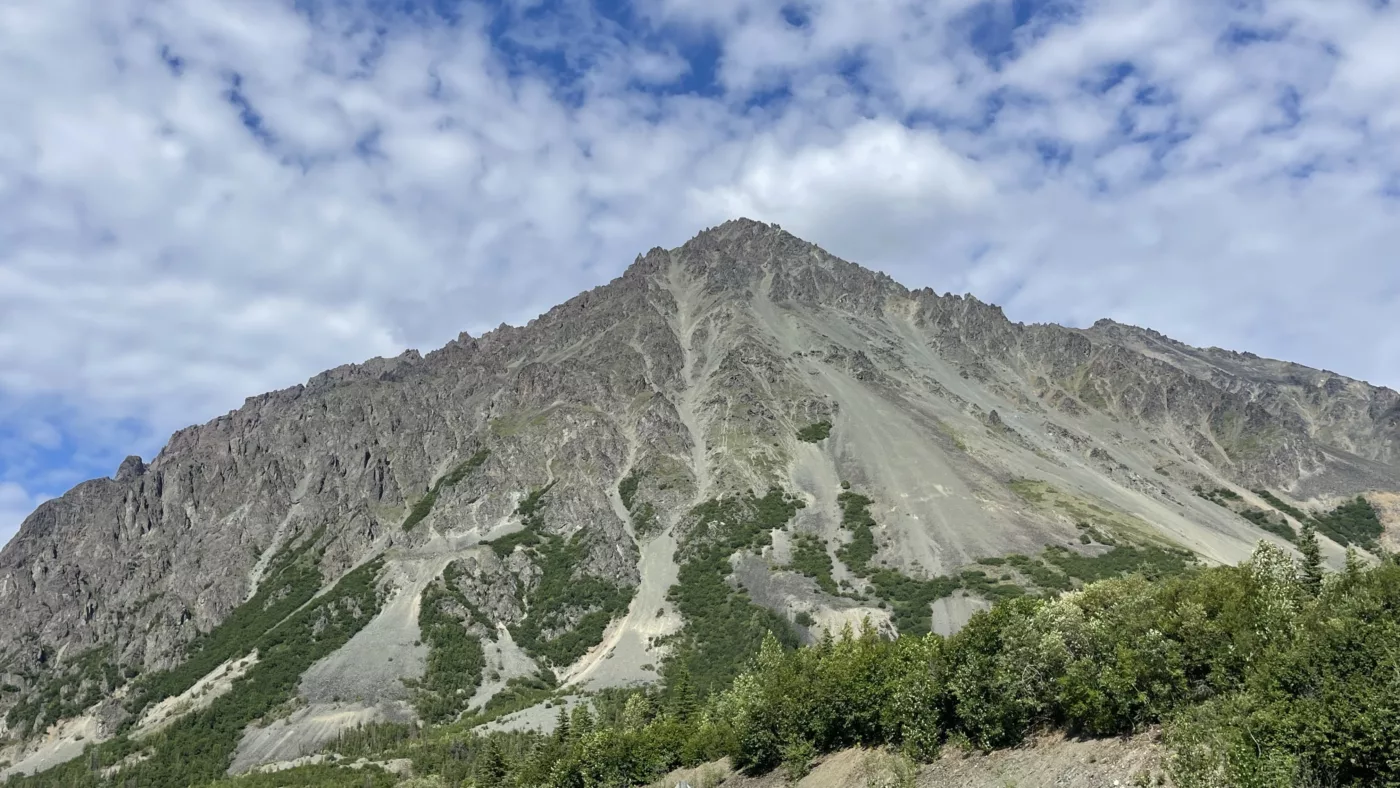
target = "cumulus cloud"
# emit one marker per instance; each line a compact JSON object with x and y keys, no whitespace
{"x":15,"y":505}
{"x":202,"y":201}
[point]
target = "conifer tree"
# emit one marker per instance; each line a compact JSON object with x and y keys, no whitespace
{"x":491,"y":766}
{"x":582,"y":723}
{"x":1312,"y":558}
{"x":1353,"y":565}
{"x":561,"y":726}
{"x":683,"y":702}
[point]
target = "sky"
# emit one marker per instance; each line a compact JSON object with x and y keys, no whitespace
{"x":203,"y":200}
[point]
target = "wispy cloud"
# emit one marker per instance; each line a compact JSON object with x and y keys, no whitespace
{"x":200,"y":201}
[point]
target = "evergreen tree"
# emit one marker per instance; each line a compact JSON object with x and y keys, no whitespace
{"x":1353,"y":565}
{"x":582,"y":723}
{"x":1312,"y":558}
{"x":683,"y":702}
{"x":561,"y":726}
{"x":491,"y":766}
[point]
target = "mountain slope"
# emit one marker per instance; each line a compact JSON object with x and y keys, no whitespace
{"x":538,"y":486}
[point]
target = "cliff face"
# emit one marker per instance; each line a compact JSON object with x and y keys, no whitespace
{"x":689,"y":378}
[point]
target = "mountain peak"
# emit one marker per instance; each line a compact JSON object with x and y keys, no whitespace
{"x":551,"y":480}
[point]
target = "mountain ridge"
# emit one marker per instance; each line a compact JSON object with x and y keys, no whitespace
{"x":691,"y":375}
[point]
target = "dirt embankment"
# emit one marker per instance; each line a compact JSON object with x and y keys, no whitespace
{"x":1049,"y":761}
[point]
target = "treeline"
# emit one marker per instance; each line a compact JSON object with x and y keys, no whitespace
{"x":1259,"y":677}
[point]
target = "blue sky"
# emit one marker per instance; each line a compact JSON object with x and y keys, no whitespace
{"x":203,"y":200}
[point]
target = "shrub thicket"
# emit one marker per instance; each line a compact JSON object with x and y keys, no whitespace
{"x":1256,"y":681}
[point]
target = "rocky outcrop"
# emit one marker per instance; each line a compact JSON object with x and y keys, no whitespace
{"x":693,"y":371}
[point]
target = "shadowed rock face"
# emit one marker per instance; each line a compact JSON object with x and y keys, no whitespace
{"x":694,"y":370}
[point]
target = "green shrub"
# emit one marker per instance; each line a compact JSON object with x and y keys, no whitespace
{"x":856,"y":518}
{"x":1282,"y":506}
{"x":723,"y":627}
{"x":424,"y":506}
{"x":809,"y":557}
{"x":291,"y":578}
{"x":627,"y":489}
{"x":815,"y":433}
{"x":455,"y":660}
{"x":1354,"y":522}
{"x":1256,"y":683}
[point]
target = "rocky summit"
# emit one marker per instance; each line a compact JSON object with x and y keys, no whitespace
{"x":740,"y":435}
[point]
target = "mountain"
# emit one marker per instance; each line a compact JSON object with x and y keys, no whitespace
{"x":742,"y":433}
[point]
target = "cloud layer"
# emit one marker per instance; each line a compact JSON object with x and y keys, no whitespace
{"x":201,"y":201}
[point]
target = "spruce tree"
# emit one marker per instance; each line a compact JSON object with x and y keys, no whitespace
{"x":1312,"y":558}
{"x":582,"y":722}
{"x":1354,"y":564}
{"x":561,"y":726}
{"x":683,"y":702}
{"x":491,"y":766}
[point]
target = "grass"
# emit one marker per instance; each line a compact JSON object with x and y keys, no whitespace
{"x":815,"y":433}
{"x":1029,"y":489}
{"x":424,"y":506}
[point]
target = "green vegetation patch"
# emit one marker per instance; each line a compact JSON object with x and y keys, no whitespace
{"x":568,"y":608}
{"x":314,"y":776}
{"x":455,"y":656}
{"x":911,"y":598}
{"x":197,"y":748}
{"x":856,"y":518}
{"x":66,"y":691}
{"x":290,"y":580}
{"x":810,"y":558}
{"x":645,"y":520}
{"x":1058,"y":569}
{"x":1219,"y":495}
{"x":1261,"y":518}
{"x":815,"y":433}
{"x":519,"y":693}
{"x":723,"y":627}
{"x":424,"y":506}
{"x":1149,"y":561}
{"x":627,"y":489}
{"x":1354,"y":522}
{"x":563,"y":593}
{"x":1282,"y":506}
{"x":1254,"y":677}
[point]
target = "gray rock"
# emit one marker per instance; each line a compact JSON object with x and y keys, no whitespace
{"x":695,"y":369}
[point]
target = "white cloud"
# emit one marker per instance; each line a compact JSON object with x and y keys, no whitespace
{"x":159,"y":261}
{"x":15,"y":505}
{"x":879,"y":181}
